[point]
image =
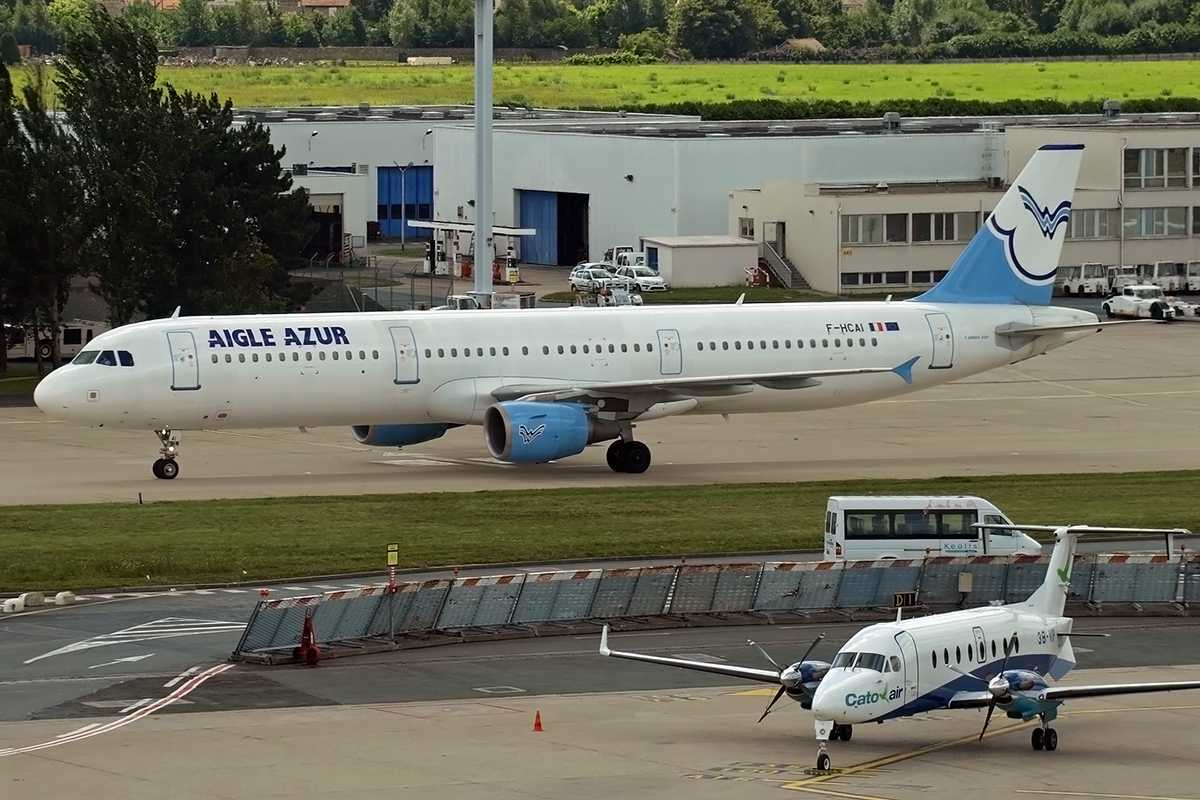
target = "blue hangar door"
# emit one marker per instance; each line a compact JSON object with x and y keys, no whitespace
{"x":561,"y":220}
{"x":404,"y":195}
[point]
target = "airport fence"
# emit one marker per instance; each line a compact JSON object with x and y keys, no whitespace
{"x":544,"y":603}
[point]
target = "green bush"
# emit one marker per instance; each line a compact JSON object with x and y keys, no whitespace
{"x":9,"y":52}
{"x":609,"y":59}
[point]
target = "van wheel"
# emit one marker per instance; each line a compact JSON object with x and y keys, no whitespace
{"x":1108,"y":311}
{"x":45,"y":350}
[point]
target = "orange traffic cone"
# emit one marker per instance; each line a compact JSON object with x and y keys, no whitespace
{"x":537,"y":722}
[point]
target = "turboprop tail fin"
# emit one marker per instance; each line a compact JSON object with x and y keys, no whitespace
{"x":1051,"y":597}
{"x":1013,"y":258}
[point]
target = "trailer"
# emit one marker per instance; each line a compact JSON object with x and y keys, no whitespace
{"x":72,"y":336}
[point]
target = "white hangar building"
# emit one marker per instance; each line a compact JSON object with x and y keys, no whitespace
{"x":849,"y":204}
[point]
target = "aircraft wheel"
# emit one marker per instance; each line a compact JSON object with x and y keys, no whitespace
{"x":1038,"y":738}
{"x":845,"y":732}
{"x":157,"y":468}
{"x":1051,"y":739}
{"x":823,"y":762}
{"x":637,"y":457}
{"x":616,"y":456}
{"x":169,"y":469}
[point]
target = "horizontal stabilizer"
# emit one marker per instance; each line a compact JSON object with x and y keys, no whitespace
{"x":905,"y":370}
{"x":1034,"y":331}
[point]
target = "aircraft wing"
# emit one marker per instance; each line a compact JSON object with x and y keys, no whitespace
{"x":970,"y":700}
{"x":684,"y":387}
{"x":1065,"y":692}
{"x":733,"y":671}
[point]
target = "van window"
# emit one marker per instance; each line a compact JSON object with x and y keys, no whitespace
{"x":957,"y":525}
{"x":996,"y":519}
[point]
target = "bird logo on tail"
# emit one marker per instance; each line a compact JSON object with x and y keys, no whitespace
{"x":1047,"y":220}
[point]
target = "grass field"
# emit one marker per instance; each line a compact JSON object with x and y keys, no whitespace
{"x":98,"y":546}
{"x":556,"y":86}
{"x":20,"y":379}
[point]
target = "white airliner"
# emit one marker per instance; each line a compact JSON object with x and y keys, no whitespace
{"x":988,"y":657}
{"x":545,"y":384}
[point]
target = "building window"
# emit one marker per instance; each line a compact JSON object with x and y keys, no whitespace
{"x":874,"y":228}
{"x":1092,"y":223}
{"x":1196,"y":220}
{"x":849,"y":279}
{"x":746,"y":227}
{"x":871,"y":278}
{"x":1156,"y":168}
{"x":950,"y":226}
{"x":1141,"y":223}
{"x":895,"y":277}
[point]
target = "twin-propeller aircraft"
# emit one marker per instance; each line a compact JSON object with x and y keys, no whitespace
{"x":545,"y":384}
{"x":996,"y":656}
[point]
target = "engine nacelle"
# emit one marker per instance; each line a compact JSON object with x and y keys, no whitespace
{"x":525,"y":432}
{"x":397,"y":435}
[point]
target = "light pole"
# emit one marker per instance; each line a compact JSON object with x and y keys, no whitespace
{"x":403,"y":200}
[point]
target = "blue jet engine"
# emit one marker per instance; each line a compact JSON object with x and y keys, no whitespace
{"x":526,"y":432}
{"x":397,"y":435}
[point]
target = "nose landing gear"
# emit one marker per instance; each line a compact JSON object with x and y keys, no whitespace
{"x":166,"y":468}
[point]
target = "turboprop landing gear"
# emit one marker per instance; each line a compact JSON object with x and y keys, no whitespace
{"x":166,"y":468}
{"x":1045,"y":737}
{"x":826,"y":731}
{"x":628,"y":456}
{"x":843,"y":732}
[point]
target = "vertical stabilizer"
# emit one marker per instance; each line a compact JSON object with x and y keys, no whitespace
{"x":1013,"y":258}
{"x":1051,"y":597}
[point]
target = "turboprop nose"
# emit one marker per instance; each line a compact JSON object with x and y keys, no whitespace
{"x":850,"y":696}
{"x":52,"y":395}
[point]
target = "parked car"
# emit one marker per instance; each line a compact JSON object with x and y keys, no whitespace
{"x":589,"y":277}
{"x":1139,"y":302}
{"x":643,"y":279}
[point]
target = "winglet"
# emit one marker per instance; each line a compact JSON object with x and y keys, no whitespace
{"x":905,"y":370}
{"x":740,"y":299}
{"x":604,"y":651}
{"x":175,"y":313}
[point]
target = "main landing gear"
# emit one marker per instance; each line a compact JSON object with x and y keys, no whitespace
{"x":628,"y":456}
{"x":166,"y":468}
{"x":1044,"y":737}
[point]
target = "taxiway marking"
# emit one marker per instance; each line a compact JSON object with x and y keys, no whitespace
{"x":1099,"y":794}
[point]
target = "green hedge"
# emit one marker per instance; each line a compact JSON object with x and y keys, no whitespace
{"x":931,"y":107}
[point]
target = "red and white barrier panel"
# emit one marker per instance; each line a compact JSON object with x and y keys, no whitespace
{"x":885,"y":563}
{"x":487,"y":580}
{"x":292,"y":602}
{"x":803,"y":566}
{"x":1135,"y":558}
{"x":565,"y":575}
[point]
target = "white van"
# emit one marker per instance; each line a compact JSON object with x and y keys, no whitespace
{"x":859,"y":528}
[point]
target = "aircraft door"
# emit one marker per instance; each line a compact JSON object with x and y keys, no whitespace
{"x":185,"y":366}
{"x":670,"y":354}
{"x":908,"y":648}
{"x":405,"y":346}
{"x":943,"y":341}
{"x":980,"y":645}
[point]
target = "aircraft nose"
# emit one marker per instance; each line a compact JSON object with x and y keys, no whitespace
{"x":849,"y":697}
{"x":52,"y":394}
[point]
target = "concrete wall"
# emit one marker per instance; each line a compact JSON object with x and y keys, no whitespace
{"x":685,"y":265}
{"x":353,"y":190}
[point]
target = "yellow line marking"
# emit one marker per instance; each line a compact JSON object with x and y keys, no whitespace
{"x":831,"y":793}
{"x":754,"y":693}
{"x":1100,"y":794}
{"x":800,"y":785}
{"x":1073,"y":712}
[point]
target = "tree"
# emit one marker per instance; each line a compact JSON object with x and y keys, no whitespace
{"x":713,"y":28}
{"x":9,"y":52}
{"x":143,"y":19}
{"x":193,"y":25}
{"x":909,"y":18}
{"x":69,"y":16}
{"x":344,"y":29}
{"x":300,"y":30}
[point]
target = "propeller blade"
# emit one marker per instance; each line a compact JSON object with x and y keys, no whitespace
{"x":778,"y":695}
{"x":987,"y":719}
{"x":811,"y":647}
{"x":766,"y":655}
{"x":961,"y":671}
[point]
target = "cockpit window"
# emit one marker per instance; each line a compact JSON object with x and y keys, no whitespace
{"x":894,"y":663}
{"x":871,"y":661}
{"x":844,"y":660}
{"x":85,"y":357}
{"x":107,"y":359}
{"x":126,"y":358}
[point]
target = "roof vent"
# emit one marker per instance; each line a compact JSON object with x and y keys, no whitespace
{"x":433,"y":115}
{"x":364,"y":108}
{"x":780,"y":129}
{"x":1112,"y":108}
{"x":891,"y":121}
{"x":989,"y":125}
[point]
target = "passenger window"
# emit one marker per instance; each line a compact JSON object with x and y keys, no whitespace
{"x":308,"y":356}
{"x":787,"y":343}
{"x":524,"y":351}
{"x":862,"y":342}
{"x":837,"y":342}
{"x":126,"y":358}
{"x":850,"y":343}
{"x":107,"y":359}
{"x":214,"y":358}
{"x":775,"y":344}
{"x":228,"y":358}
{"x":241,"y":358}
{"x":492,"y":351}
{"x":441,"y":353}
{"x":824,"y":343}
{"x":321,"y":355}
{"x":428,"y":354}
{"x":724,"y":345}
{"x":503,"y":350}
{"x":934,"y":654}
{"x":874,"y":342}
{"x":970,"y":653}
{"x":375,"y":354}
{"x":573,"y":350}
{"x":253,"y":357}
{"x":737,"y":345}
{"x":295,"y":356}
{"x":712,"y":345}
{"x":957,"y":655}
{"x":812,"y":343}
{"x":637,"y":348}
{"x":946,"y":656}
{"x":585,"y":348}
{"x":993,"y":648}
{"x":545,"y":350}
{"x":699,"y":345}
{"x":624,"y":348}
{"x":799,"y":344}
{"x":454,"y":352}
{"x":749,"y":345}
{"x":649,"y":348}
{"x":349,"y":355}
{"x":362,"y":356}
{"x":612,"y":349}
{"x":479,"y":352}
{"x":763,"y":345}
{"x":560,"y":349}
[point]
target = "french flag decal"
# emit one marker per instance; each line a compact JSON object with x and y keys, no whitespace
{"x":882,"y":327}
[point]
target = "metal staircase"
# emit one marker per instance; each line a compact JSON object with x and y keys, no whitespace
{"x":783,"y":271}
